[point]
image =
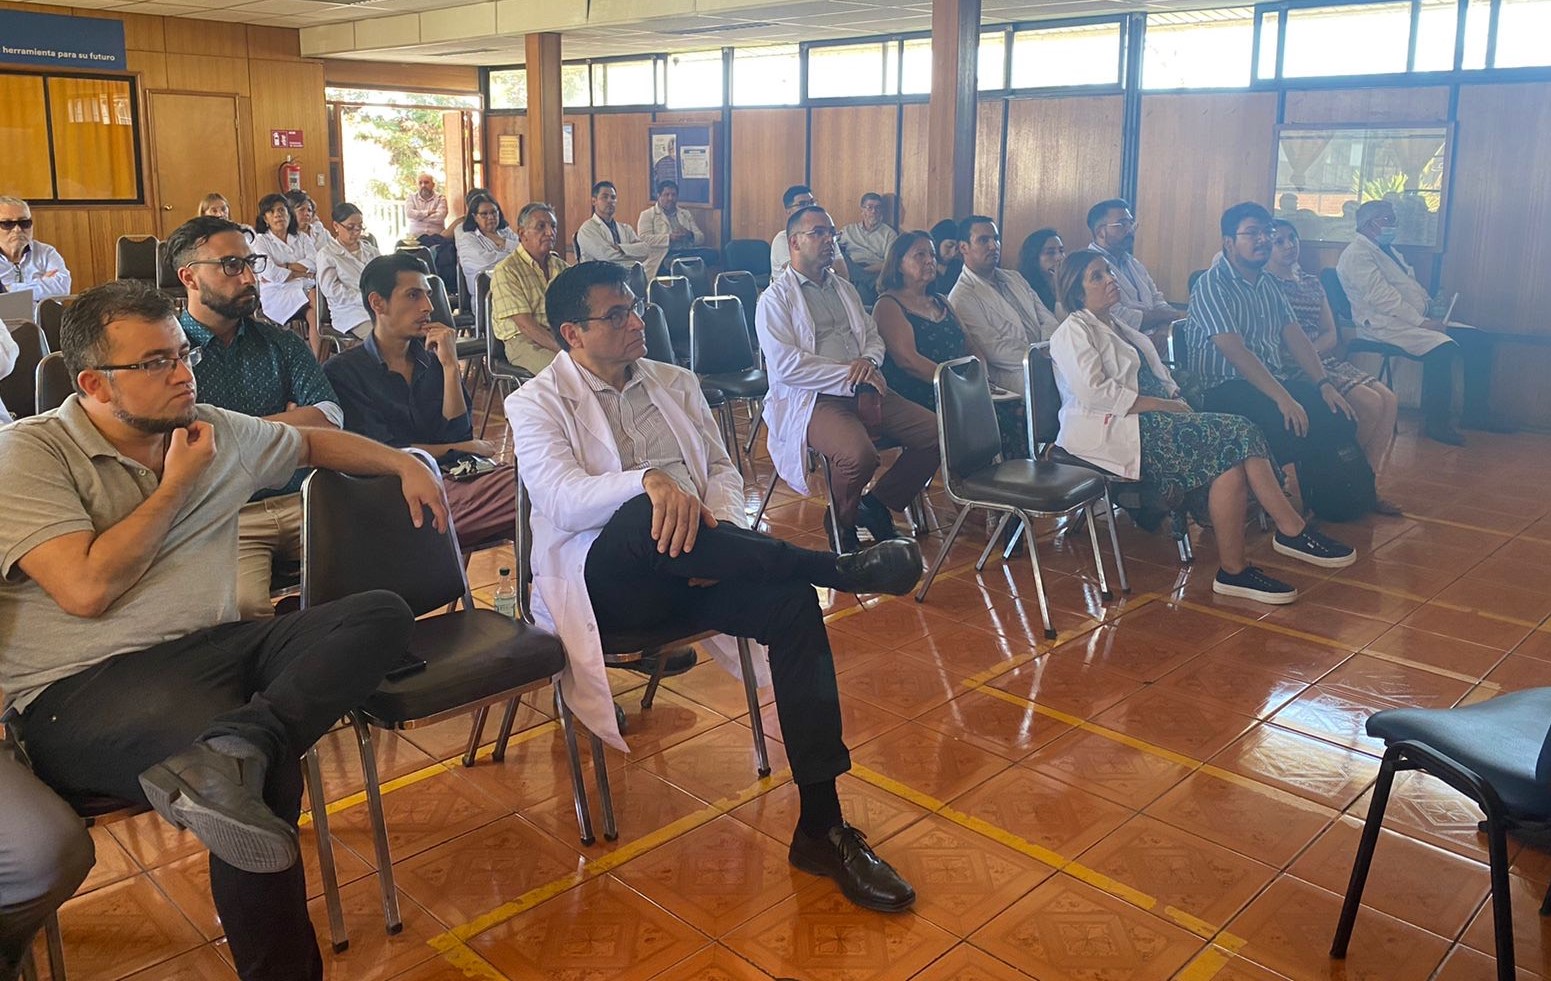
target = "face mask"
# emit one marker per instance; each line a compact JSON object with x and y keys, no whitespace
{"x":1387,"y":235}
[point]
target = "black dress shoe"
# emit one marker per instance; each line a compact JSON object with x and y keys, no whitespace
{"x":1489,"y":423}
{"x":875,"y":516}
{"x":1444,"y":434}
{"x":676,"y":662}
{"x":892,"y":567}
{"x":849,"y":542}
{"x":844,"y":855}
{"x":220,"y":798}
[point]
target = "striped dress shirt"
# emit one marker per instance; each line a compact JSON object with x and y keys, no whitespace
{"x":1224,"y":302}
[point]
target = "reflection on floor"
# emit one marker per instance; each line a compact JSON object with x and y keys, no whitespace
{"x":1173,"y":789}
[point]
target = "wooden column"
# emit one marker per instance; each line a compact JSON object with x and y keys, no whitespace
{"x":546,"y":165}
{"x":950,"y":128}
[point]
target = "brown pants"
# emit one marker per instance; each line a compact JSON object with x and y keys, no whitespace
{"x":484,"y":507}
{"x":836,"y":431}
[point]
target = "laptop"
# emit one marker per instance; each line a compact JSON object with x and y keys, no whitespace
{"x":16,"y":307}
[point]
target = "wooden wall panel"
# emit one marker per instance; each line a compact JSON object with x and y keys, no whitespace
{"x":578,"y":181}
{"x":69,"y":231}
{"x":273,"y":43}
{"x":1199,"y":155}
{"x":1380,"y":105}
{"x":1063,"y":155}
{"x":852,"y":153}
{"x":509,"y":183}
{"x":912,"y":169}
{"x":769,"y":153}
{"x":988,"y":158}
{"x":289,"y":95}
{"x":209,"y":73}
{"x":379,"y":75}
{"x":151,"y":66}
{"x":211,"y":38}
{"x":620,"y":154}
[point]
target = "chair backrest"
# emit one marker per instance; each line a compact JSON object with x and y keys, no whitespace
{"x":1190,"y":284}
{"x":52,"y":383}
{"x":465,"y":300}
{"x":1335,"y":294}
{"x":495,"y":348}
{"x":1041,"y":398}
{"x":166,"y":274}
{"x":636,"y":277}
{"x":137,"y":258}
{"x":522,"y":548}
{"x":674,"y":295}
{"x":17,"y":390}
{"x":966,"y":418}
{"x":482,"y":304}
{"x":423,"y":253}
{"x":441,"y":307}
{"x":718,"y":336}
{"x":659,"y":343}
{"x":51,"y":315}
{"x":741,"y":283}
{"x":749,"y":254}
{"x":692,"y":267}
{"x":357,"y":536}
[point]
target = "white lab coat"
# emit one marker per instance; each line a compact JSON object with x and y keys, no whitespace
{"x":1096,"y":368}
{"x":477,"y":253}
{"x":995,"y":327}
{"x":282,"y":298}
{"x":339,"y":280}
{"x":798,"y":376}
{"x":595,"y":242}
{"x":570,"y":464}
{"x":1388,"y":304}
{"x":656,"y":230}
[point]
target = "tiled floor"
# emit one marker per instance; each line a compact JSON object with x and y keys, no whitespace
{"x":1174,"y":789}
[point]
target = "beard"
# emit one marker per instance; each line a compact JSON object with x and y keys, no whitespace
{"x":147,"y":424}
{"x":236,"y":307}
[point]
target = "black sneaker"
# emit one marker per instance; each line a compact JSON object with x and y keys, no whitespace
{"x":1315,"y":549}
{"x":1252,"y":584}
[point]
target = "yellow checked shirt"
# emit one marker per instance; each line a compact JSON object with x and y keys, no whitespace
{"x":517,"y":286}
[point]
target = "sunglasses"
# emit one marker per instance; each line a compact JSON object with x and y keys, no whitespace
{"x":8,"y":224}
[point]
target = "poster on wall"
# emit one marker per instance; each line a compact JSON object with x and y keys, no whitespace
{"x":61,"y":42}
{"x":686,"y":153}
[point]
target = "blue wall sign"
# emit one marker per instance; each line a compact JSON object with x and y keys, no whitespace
{"x":61,"y":42}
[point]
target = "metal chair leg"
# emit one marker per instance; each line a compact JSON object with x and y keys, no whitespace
{"x":757,"y":411}
{"x":390,"y":896}
{"x":650,"y":694}
{"x":573,"y":755}
{"x":508,"y":719}
{"x":476,"y":734}
{"x":1187,"y":554}
{"x":947,"y":543}
{"x":1039,"y":581}
{"x":313,"y":772}
{"x":1364,"y":858}
{"x":751,"y":692}
{"x":1098,"y":556}
{"x":1114,"y":542}
{"x":1013,"y":540}
{"x":56,"y":947}
{"x":829,"y":499}
{"x":992,"y":539}
{"x":765,"y":501}
{"x":484,"y":423}
{"x":600,"y":770}
{"x":1502,"y":910}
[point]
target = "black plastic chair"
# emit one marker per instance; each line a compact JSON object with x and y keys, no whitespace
{"x":674,"y":294}
{"x":976,"y":476}
{"x":659,"y":347}
{"x":1497,"y":753}
{"x":18,"y":390}
{"x":357,"y":537}
{"x":51,"y":317}
{"x":720,"y":353}
{"x":693,"y":268}
{"x":167,"y":278}
{"x":740,"y":283}
{"x":52,"y":383}
{"x":137,"y":259}
{"x":1341,"y":311}
{"x":635,"y":276}
{"x":749,"y":254}
{"x":505,"y":377}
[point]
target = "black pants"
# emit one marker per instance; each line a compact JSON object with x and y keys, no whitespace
{"x":1240,"y":398}
{"x":764,"y":590}
{"x":279,"y":683}
{"x":1474,"y":349}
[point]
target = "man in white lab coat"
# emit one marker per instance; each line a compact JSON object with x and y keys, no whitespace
{"x":1000,"y":311}
{"x":603,"y":238}
{"x":638,"y":524}
{"x":671,"y":231}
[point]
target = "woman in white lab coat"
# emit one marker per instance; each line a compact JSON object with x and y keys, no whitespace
{"x":1120,"y":410}
{"x":286,"y":284}
{"x":341,"y":261}
{"x":483,"y":238}
{"x":307,"y":224}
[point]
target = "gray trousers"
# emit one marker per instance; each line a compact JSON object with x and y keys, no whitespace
{"x":45,"y":853}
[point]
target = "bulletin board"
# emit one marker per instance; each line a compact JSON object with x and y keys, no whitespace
{"x":689,"y":153}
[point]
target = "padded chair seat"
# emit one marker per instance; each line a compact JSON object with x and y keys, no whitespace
{"x":1500,"y":740}
{"x":647,"y":639}
{"x":751,"y":384}
{"x":714,"y":396}
{"x":470,"y":655}
{"x":1364,"y":346}
{"x":1033,"y":484}
{"x":471,"y":347}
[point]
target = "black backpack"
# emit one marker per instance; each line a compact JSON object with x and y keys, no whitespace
{"x":1336,"y":481}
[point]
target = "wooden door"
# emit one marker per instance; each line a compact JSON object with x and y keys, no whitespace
{"x":194,"y":151}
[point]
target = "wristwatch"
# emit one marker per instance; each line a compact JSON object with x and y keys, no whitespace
{"x":1324,"y":381}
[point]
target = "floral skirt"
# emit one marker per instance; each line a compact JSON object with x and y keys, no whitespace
{"x":1182,"y":453}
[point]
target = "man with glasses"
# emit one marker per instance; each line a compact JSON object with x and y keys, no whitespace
{"x":639,"y":525}
{"x":126,"y":670}
{"x":866,"y":243}
{"x":25,"y":264}
{"x":823,"y":352}
{"x":794,"y":199}
{"x":1247,"y":349}
{"x":1142,"y":305}
{"x":403,"y":387}
{"x":251,"y":366}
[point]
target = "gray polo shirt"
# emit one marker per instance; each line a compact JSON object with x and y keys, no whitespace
{"x":59,"y":476}
{"x":831,"y":324}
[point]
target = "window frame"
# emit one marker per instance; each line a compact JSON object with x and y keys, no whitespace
{"x":137,"y":135}
{"x":1123,"y":23}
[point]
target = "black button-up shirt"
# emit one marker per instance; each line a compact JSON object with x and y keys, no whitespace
{"x":381,"y":405}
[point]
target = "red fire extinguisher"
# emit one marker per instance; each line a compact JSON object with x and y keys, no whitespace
{"x":290,"y":175}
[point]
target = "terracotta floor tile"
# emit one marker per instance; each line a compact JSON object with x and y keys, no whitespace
{"x":1355,"y":597}
{"x":1517,"y":672}
{"x":894,"y":623}
{"x":876,"y":811}
{"x":1474,"y":627}
{"x":1305,"y":660}
{"x":715,"y":689}
{"x":1517,"y":601}
{"x":1410,"y":880}
{"x":1434,"y":650}
{"x":600,"y":930}
{"x":900,"y":684}
{"x":340,"y":760}
{"x":928,"y":761}
{"x":122,"y":928}
{"x":715,"y":963}
{"x":1240,"y":686}
{"x":1299,"y":764}
{"x":643,"y":802}
{"x":1464,"y":964}
{"x":419,"y":816}
{"x":535,"y":769}
{"x":1175,"y":722}
{"x":199,"y":964}
{"x":1338,"y":717}
{"x":1289,"y":928}
{"x":967,"y":963}
{"x":1067,"y":685}
{"x":1417,"y":580}
{"x":715,"y":764}
{"x":1043,"y":811}
{"x":961,"y":878}
{"x":1111,"y":769}
{"x":438,"y":969}
{"x":1138,"y":654}
{"x":1268,"y":825}
{"x":1345,"y":629}
{"x":1068,"y":930}
{"x":1222,"y":965}
{"x":967,"y":650}
{"x":449,"y":738}
{"x":374,"y":953}
{"x":1531,"y":931}
{"x":113,"y":862}
{"x":474,"y":873}
{"x":860,"y":720}
{"x":1416,"y":552}
{"x":150,"y":841}
{"x":1537,"y":644}
{"x":994,"y":724}
{"x":671,"y":720}
{"x":1425,"y":807}
{"x":1189,"y":627}
{"x":1370,"y":677}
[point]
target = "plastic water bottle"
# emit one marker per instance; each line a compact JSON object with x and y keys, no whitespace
{"x":506,"y":595}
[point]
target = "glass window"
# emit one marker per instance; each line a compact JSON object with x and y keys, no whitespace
{"x":1087,"y":54}
{"x":991,"y":61}
{"x":1270,"y":25}
{"x":1522,"y":28}
{"x":1201,"y":49}
{"x":917,"y":67}
{"x":388,"y":97}
{"x":1436,"y":26}
{"x":1364,"y":39}
{"x":694,"y":79}
{"x":1478,"y":25}
{"x":849,"y":70}
{"x":624,"y":83}
{"x":72,"y":139}
{"x":575,"y":87}
{"x":766,"y":76}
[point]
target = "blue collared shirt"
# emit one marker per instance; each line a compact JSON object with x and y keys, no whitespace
{"x":1224,"y":302}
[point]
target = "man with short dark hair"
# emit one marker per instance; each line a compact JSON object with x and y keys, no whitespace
{"x":823,"y":354}
{"x":603,"y":237}
{"x":1142,"y":305}
{"x":639,"y":525}
{"x":865,"y":244}
{"x":671,"y":231}
{"x":251,"y":366}
{"x":1000,"y":312}
{"x":796,"y":197}
{"x":402,"y":387}
{"x":126,"y":672}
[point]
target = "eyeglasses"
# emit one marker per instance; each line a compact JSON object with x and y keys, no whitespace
{"x":1122,"y":223}
{"x":619,"y":317}
{"x":352,"y":229}
{"x":233,"y":265}
{"x":8,"y":224}
{"x":1255,"y":234}
{"x":157,"y":367}
{"x":823,"y":231}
